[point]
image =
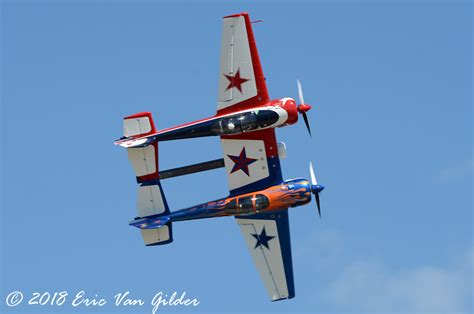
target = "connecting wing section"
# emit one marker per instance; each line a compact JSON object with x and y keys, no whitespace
{"x":150,"y":197}
{"x":251,"y":161}
{"x":241,"y":80}
{"x":268,"y":239}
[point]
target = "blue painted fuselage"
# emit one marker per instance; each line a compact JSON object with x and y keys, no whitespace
{"x":290,"y":193}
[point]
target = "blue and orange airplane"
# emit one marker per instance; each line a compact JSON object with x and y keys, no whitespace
{"x":246,"y":119}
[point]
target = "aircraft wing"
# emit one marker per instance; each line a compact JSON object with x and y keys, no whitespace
{"x":268,"y":239}
{"x":241,"y":80}
{"x":251,"y":161}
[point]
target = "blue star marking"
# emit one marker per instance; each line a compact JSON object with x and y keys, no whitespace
{"x":262,"y":239}
{"x":241,"y":162}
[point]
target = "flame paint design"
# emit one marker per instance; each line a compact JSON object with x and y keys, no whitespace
{"x":288,"y":194}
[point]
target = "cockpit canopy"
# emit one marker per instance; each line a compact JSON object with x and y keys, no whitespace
{"x":247,"y":204}
{"x":248,"y":121}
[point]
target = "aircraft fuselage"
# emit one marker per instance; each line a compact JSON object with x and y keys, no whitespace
{"x":290,"y":193}
{"x":276,"y":113}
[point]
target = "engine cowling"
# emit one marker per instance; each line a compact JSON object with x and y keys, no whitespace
{"x":289,"y":105}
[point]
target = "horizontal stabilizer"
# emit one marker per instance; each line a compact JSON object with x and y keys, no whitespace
{"x":151,"y":199}
{"x":152,"y":208}
{"x":144,"y":161}
{"x":139,"y":124}
{"x":158,"y":236}
{"x":137,"y":130}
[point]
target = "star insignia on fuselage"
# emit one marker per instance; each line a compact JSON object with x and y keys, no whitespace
{"x":241,"y":162}
{"x":235,"y":81}
{"x":262,"y":239}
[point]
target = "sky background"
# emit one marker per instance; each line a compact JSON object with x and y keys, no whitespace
{"x":391,"y":88}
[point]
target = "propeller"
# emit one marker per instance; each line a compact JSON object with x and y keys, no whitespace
{"x":315,"y":188}
{"x":302,"y":107}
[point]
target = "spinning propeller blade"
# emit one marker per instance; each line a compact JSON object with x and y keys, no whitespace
{"x":305,"y":118}
{"x":313,"y":176}
{"x":318,"y":204}
{"x":300,"y":92}
{"x":315,"y":188}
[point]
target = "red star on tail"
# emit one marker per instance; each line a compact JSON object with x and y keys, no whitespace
{"x":235,"y":81}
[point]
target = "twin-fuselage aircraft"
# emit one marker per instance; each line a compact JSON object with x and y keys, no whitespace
{"x":246,"y":119}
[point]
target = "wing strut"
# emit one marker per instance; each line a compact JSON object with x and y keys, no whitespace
{"x":182,"y":171}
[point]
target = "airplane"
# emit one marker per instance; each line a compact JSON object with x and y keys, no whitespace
{"x":243,"y":102}
{"x":259,"y":198}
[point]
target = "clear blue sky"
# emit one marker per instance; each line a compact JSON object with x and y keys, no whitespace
{"x":391,"y":89}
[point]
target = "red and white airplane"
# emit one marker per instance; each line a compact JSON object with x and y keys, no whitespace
{"x":243,"y":104}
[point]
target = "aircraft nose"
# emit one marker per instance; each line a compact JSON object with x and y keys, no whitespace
{"x":303,"y":108}
{"x":317,"y":188}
